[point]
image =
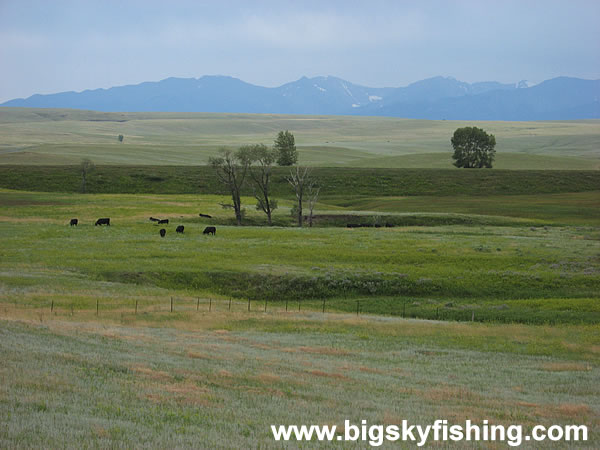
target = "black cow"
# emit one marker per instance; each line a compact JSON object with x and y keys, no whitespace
{"x":154,"y":219}
{"x":74,"y":222}
{"x":103,"y":221}
{"x":162,"y":232}
{"x":389,"y":225}
{"x":205,"y":215}
{"x":179,"y":229}
{"x":165,"y":221}
{"x":210,"y":230}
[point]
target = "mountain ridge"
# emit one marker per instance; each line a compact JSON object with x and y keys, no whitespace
{"x":436,"y":98}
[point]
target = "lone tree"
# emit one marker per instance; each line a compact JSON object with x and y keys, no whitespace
{"x":300,"y":179}
{"x":473,"y":148}
{"x":261,"y":159}
{"x":231,"y":169}
{"x":85,"y":168}
{"x":285,"y":146}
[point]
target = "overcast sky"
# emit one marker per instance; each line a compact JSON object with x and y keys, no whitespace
{"x":52,"y":46}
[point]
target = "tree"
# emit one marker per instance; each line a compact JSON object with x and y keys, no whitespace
{"x":260,"y":171}
{"x":231,"y":168}
{"x":473,"y":147}
{"x":85,"y":168}
{"x":285,"y":146}
{"x":312,"y":194}
{"x":120,"y":137}
{"x":299,"y":178}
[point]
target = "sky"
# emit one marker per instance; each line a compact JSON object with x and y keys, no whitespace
{"x":49,"y":46}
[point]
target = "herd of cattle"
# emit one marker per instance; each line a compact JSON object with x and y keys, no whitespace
{"x":162,"y":231}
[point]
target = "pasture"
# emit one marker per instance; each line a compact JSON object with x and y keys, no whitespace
{"x":479,"y":301}
{"x":54,"y":136}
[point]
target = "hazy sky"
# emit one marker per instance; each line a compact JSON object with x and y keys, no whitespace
{"x":51,"y":45}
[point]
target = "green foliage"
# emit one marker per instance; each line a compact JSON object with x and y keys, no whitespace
{"x":473,"y":148}
{"x":335,"y":182}
{"x":285,"y":146}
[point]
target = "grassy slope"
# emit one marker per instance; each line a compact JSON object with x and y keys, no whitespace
{"x":340,"y":182}
{"x":220,"y":380}
{"x":449,"y":270}
{"x":44,"y":136}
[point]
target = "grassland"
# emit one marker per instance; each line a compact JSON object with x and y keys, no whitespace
{"x":512,"y":270}
{"x":47,"y":136}
{"x":481,"y":302}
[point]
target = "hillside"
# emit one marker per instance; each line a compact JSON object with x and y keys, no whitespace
{"x":435,"y":98}
{"x":37,"y":136}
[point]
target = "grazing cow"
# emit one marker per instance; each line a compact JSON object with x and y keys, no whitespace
{"x":162,"y":232}
{"x":389,"y":225}
{"x":179,"y":229}
{"x":103,"y":221}
{"x":74,"y":222}
{"x":165,"y":221}
{"x":205,"y":215}
{"x":153,"y":219}
{"x":210,"y":230}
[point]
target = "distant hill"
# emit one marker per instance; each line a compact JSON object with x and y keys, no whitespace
{"x":436,"y":98}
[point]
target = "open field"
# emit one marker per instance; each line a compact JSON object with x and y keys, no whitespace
{"x":479,"y":300}
{"x":48,"y":136}
{"x":219,"y":380}
{"x":504,"y":268}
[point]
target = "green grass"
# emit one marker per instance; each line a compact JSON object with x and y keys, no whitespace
{"x":49,"y":136}
{"x":445,"y":272}
{"x":344,"y":183}
{"x":220,"y":380}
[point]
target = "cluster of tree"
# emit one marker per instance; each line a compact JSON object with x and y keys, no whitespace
{"x":255,"y":163}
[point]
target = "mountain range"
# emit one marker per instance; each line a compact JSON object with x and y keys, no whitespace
{"x":435,"y":98}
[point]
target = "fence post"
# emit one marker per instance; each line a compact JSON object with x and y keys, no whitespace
{"x":404,"y":309}
{"x":52,"y":306}
{"x":171,"y":304}
{"x":286,"y":303}
{"x":248,"y":304}
{"x":229,"y":303}
{"x":209,"y":304}
{"x":323,"y":306}
{"x":357,"y":307}
{"x":136,"y":302}
{"x":97,"y":307}
{"x":265,"y":305}
{"x":198,"y":304}
{"x":298,"y":305}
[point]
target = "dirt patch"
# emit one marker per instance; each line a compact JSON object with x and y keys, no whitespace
{"x":151,"y":373}
{"x":566,"y":367}
{"x":324,"y":350}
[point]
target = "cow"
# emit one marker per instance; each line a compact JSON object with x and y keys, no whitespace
{"x":389,"y":225}
{"x":74,"y":222}
{"x":165,"y":221}
{"x":162,"y":232}
{"x":154,"y":219}
{"x":352,"y":225}
{"x":179,"y":229}
{"x":210,"y":230}
{"x":103,"y":221}
{"x":205,"y":216}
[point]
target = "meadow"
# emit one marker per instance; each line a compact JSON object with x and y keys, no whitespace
{"x":480,"y":301}
{"x":56,"y":137}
